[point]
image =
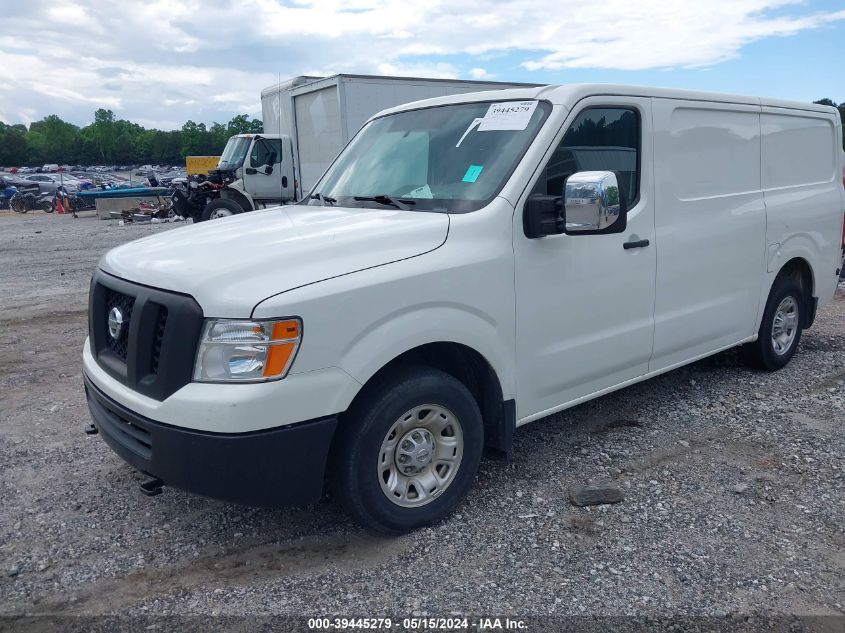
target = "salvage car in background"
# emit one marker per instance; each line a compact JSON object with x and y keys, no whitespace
{"x":50,"y":183}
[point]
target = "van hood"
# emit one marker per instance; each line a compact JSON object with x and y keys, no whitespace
{"x":232,"y":264}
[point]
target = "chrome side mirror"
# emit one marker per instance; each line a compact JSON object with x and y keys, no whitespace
{"x":594,"y":203}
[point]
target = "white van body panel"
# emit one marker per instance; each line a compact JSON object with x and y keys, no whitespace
{"x":711,"y":224}
{"x":800,"y":193}
{"x":461,"y":293}
{"x":232,"y":264}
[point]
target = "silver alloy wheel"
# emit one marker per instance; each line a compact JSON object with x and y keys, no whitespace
{"x":785,"y":325}
{"x":219,"y":213}
{"x":420,"y":455}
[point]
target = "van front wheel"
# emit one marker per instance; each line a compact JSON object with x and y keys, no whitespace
{"x":780,"y":329}
{"x":407,"y":453}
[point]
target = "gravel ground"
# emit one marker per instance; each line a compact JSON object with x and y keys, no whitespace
{"x":732,"y":481}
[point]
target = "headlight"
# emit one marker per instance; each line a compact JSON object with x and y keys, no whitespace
{"x":246,"y":351}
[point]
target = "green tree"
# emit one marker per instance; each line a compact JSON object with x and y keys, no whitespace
{"x":194,"y":139}
{"x":241,"y":124}
{"x":53,"y":140}
{"x":13,"y":144}
{"x":102,"y":133}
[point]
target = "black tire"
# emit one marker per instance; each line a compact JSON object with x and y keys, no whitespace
{"x":18,"y":204}
{"x":355,"y":476}
{"x":222,"y":204}
{"x":761,"y":354}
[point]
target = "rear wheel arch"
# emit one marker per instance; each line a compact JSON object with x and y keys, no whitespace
{"x":801,"y":271}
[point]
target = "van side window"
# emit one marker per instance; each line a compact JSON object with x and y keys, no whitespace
{"x":261,"y":150}
{"x":600,"y":139}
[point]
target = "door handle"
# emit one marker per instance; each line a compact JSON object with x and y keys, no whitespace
{"x":251,"y":170}
{"x":635,"y":244}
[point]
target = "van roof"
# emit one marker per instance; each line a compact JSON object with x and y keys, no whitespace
{"x":568,"y":95}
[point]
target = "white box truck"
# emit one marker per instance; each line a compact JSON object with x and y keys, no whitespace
{"x":471,"y":264}
{"x":307,"y":121}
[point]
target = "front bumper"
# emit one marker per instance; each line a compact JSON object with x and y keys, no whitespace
{"x":271,"y":467}
{"x":234,"y":408}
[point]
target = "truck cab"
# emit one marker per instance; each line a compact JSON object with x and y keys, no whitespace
{"x":257,"y":170}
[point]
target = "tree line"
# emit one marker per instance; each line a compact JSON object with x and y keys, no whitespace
{"x":111,"y":141}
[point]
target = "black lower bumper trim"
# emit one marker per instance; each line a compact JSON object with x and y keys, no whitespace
{"x":274,"y":467}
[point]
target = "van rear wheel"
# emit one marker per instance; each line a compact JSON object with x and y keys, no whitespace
{"x":780,"y":329}
{"x":407,"y":453}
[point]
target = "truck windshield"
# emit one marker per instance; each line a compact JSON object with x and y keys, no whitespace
{"x":234,"y":152}
{"x":451,"y":159}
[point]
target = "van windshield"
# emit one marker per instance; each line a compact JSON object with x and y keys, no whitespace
{"x":451,"y":159}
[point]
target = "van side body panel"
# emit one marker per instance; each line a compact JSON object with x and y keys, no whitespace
{"x":711,"y":224}
{"x":801,"y":180}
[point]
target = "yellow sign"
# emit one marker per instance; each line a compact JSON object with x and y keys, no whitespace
{"x":200,"y":164}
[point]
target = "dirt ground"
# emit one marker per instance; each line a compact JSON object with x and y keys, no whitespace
{"x":733,"y":483}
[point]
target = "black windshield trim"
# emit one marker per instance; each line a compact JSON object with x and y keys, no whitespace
{"x":446,"y":205}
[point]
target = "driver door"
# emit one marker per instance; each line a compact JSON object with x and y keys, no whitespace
{"x":261,"y":185}
{"x":585,"y":303}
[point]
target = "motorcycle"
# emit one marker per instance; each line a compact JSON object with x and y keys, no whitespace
{"x":23,"y":201}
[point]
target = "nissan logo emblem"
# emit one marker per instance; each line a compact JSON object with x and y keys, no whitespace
{"x":115,"y":322}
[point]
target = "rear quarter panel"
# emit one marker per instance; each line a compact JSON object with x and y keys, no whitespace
{"x":801,"y":174}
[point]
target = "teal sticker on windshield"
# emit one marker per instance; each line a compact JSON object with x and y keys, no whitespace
{"x":472,"y":173}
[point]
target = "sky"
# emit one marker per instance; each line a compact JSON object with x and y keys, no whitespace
{"x":160,"y":63}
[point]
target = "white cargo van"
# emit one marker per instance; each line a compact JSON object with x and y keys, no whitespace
{"x":467,"y":265}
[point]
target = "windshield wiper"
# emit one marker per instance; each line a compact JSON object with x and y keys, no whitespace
{"x":324,"y":199}
{"x":384,"y":199}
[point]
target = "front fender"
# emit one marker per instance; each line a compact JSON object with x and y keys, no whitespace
{"x":362,"y":321}
{"x":235,"y":191}
{"x":403,"y":330}
{"x":461,"y":292}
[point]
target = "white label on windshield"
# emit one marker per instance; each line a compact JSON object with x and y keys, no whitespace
{"x":508,"y":115}
{"x":423,"y":192}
